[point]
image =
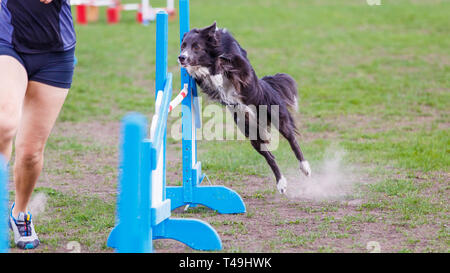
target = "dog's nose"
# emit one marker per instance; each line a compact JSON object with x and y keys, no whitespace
{"x":182,"y":58}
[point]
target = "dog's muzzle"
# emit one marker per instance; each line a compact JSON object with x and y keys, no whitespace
{"x":182,"y":59}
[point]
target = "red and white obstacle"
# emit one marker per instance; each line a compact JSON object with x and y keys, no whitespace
{"x":87,"y":10}
{"x":179,"y":98}
{"x":174,"y":103}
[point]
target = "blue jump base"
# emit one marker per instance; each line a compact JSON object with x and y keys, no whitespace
{"x":138,"y":221}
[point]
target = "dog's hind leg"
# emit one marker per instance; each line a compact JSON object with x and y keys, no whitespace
{"x":258,"y":145}
{"x":288,"y":131}
{"x":270,"y":158}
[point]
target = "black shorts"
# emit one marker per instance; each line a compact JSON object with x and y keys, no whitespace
{"x":53,"y":68}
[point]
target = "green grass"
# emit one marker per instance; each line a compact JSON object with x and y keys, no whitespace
{"x":373,"y":81}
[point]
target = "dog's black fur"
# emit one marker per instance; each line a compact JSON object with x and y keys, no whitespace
{"x":221,"y":68}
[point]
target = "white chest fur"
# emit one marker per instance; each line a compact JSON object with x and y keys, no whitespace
{"x":229,"y":95}
{"x":225,"y":89}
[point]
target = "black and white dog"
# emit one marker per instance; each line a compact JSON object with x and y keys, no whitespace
{"x":220,"y":67}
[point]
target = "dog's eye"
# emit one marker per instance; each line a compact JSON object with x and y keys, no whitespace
{"x":195,"y":47}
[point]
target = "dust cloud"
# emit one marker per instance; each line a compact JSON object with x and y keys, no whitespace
{"x":331,"y":179}
{"x":37,"y":204}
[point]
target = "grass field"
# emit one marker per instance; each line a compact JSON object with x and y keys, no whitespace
{"x":374,"y":86}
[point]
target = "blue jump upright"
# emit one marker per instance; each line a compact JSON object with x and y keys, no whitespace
{"x":219,"y":198}
{"x":3,"y":206}
{"x":144,"y":209}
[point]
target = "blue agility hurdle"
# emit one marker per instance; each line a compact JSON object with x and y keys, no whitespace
{"x":144,"y":202}
{"x":192,"y":193}
{"x":144,"y":209}
{"x":3,"y":206}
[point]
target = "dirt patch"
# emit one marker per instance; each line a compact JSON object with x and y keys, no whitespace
{"x":91,"y":170}
{"x":305,"y":222}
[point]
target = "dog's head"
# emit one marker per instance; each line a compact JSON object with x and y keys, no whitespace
{"x":199,"y":47}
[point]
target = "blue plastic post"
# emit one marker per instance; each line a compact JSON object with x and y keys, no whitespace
{"x":3,"y":206}
{"x":133,"y":232}
{"x":219,"y":198}
{"x":188,"y":130}
{"x":162,"y":39}
{"x":130,"y":239}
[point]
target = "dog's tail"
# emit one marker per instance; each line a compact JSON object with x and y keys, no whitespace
{"x":287,"y":87}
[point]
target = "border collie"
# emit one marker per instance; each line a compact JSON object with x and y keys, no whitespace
{"x":220,"y":67}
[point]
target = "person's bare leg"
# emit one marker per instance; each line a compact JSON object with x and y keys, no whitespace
{"x":41,"y":108}
{"x":13,"y":84}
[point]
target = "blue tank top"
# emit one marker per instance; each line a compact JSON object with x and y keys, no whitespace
{"x":30,"y":26}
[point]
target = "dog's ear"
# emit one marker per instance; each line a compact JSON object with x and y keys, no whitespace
{"x":211,"y":30}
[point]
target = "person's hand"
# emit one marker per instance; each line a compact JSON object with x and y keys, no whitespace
{"x":46,"y":1}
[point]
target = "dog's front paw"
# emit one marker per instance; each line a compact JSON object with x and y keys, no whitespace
{"x":282,"y":185}
{"x":305,"y":168}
